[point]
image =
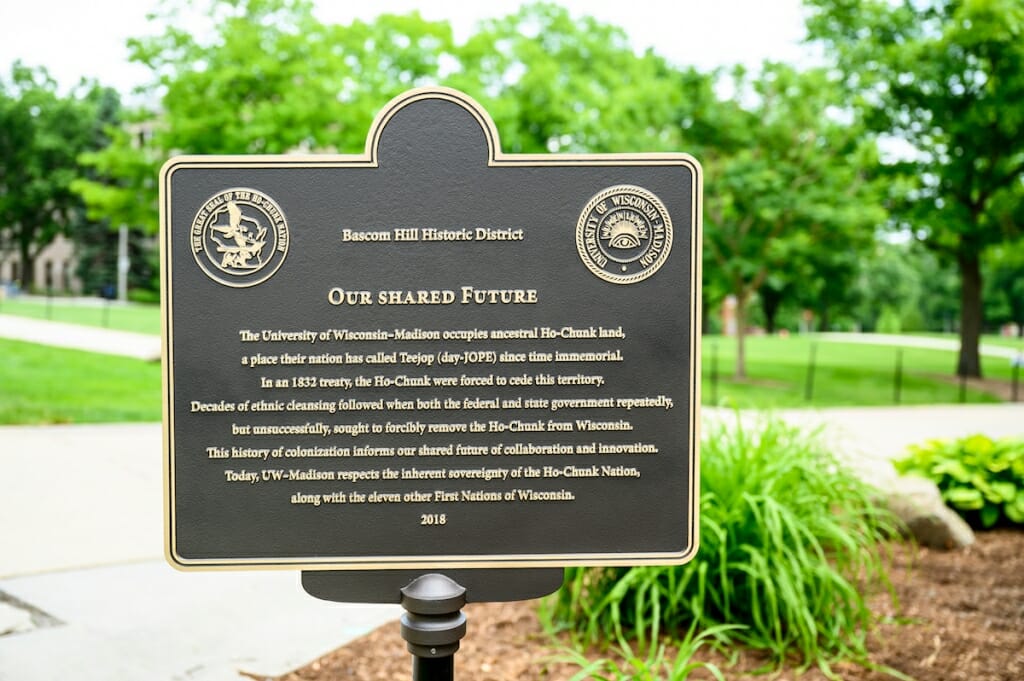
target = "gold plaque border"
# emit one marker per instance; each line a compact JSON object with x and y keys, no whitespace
{"x":368,"y":159}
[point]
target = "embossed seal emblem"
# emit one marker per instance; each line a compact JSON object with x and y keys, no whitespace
{"x":624,"y":234}
{"x":239,"y":237}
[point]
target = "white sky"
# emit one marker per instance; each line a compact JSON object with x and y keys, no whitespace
{"x":75,"y":38}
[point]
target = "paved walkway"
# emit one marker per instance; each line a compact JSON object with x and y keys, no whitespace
{"x":898,"y":340}
{"x":77,"y":337}
{"x":81,"y":544}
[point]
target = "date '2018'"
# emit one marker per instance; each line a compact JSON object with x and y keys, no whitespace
{"x":433,"y":519}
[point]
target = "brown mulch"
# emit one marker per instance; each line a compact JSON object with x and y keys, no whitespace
{"x":960,"y":617}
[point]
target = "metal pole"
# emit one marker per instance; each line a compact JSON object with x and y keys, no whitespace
{"x":123,"y":263}
{"x":427,"y":669}
{"x":714,"y":374}
{"x":433,"y":625}
{"x":809,"y":386}
{"x":898,"y":376}
{"x":1016,"y":378}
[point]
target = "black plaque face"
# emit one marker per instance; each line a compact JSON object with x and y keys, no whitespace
{"x":433,"y":355}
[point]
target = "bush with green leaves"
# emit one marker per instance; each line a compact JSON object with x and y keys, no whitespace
{"x":980,"y":478}
{"x":790,"y":549}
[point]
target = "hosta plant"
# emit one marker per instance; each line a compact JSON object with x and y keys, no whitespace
{"x":981,"y":478}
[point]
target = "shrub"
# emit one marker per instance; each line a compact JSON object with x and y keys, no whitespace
{"x":143,"y":295}
{"x":789,"y":543}
{"x":980,"y":478}
{"x":888,"y":321}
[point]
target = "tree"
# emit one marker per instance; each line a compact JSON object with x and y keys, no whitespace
{"x":946,"y":77}
{"x":553,"y":83}
{"x":41,"y":135}
{"x":1004,"y":283}
{"x":787,"y":179}
{"x":272,"y":79}
{"x":890,"y":283}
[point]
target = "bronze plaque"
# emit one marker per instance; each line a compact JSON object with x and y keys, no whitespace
{"x":431,"y":355}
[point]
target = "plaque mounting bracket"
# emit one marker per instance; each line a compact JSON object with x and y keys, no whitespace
{"x":432,"y":624}
{"x":385,"y":586}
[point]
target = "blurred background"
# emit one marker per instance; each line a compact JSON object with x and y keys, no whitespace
{"x":864,"y":160}
{"x":863,"y":251}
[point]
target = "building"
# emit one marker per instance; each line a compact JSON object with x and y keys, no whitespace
{"x":54,"y":268}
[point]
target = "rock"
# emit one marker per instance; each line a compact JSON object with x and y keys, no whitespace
{"x":918,"y":503}
{"x":14,"y":620}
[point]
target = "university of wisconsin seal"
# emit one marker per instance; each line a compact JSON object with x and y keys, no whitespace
{"x":624,"y":234}
{"x":239,"y":237}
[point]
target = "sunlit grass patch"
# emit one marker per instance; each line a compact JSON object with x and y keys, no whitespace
{"x":41,"y":384}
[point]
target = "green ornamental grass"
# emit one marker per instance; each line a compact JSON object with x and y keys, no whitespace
{"x":658,"y":664}
{"x":790,"y":551}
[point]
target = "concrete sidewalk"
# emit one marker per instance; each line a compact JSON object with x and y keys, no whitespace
{"x":76,"y":337}
{"x":81,"y":554}
{"x":925,"y":342}
{"x":144,"y":621}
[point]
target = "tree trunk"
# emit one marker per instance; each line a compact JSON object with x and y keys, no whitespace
{"x":741,"y":333}
{"x":28,"y":265}
{"x":969,"y":361}
{"x":771,"y":300}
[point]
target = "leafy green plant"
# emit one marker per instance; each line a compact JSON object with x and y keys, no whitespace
{"x":981,"y":478}
{"x":789,"y":552}
{"x":889,"y":321}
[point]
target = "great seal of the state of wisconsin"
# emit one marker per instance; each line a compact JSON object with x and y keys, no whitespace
{"x":624,"y":234}
{"x":239,"y":237}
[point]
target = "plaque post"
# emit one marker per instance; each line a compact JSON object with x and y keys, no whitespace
{"x":433,"y":625}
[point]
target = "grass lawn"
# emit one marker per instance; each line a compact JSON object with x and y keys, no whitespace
{"x":88,"y":312}
{"x":41,"y":384}
{"x":846,"y":374}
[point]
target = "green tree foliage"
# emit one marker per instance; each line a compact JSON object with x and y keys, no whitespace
{"x":788,"y":181}
{"x":121,"y":186}
{"x":42,"y":132}
{"x":947,"y":78}
{"x":553,"y":83}
{"x":95,"y":239}
{"x":270,"y":78}
{"x":1004,"y":286}
{"x":908,"y":285}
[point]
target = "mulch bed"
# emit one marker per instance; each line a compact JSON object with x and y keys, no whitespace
{"x":960,"y":616}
